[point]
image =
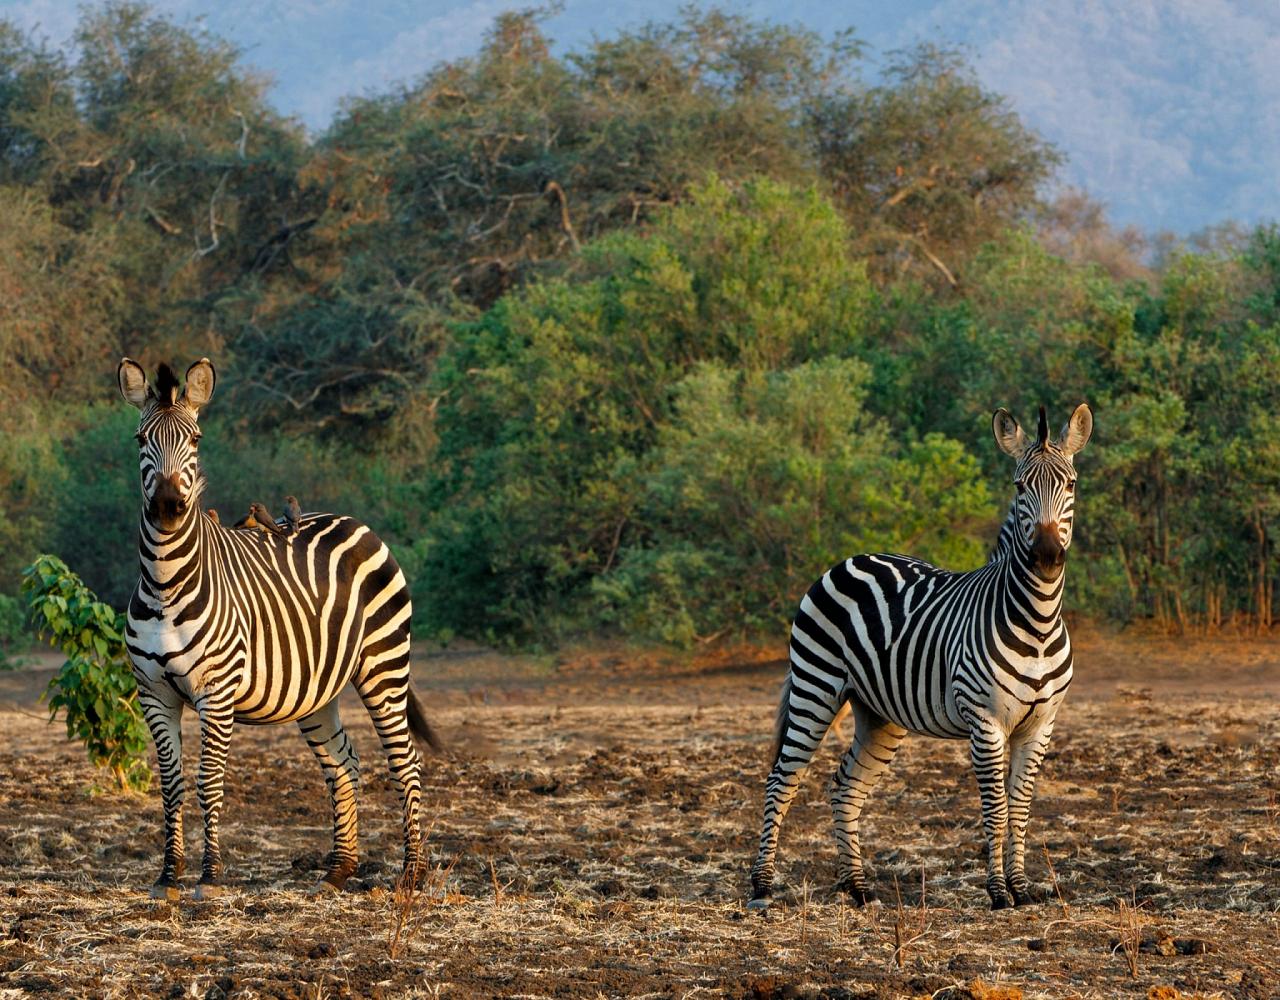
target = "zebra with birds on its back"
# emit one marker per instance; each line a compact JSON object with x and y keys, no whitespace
{"x":908,"y":647}
{"x":259,"y":627}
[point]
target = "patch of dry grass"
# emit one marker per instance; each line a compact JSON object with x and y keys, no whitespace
{"x":595,"y":841}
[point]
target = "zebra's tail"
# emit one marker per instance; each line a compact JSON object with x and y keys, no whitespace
{"x":780,"y":721}
{"x":419,"y":726}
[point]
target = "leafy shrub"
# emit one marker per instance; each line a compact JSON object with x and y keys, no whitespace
{"x":759,"y":483}
{"x":95,"y":686}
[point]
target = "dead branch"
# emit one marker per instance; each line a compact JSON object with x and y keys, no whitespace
{"x":932,"y":259}
{"x":244,"y":133}
{"x":565,"y":222}
{"x":213,"y":221}
{"x":168,"y":227}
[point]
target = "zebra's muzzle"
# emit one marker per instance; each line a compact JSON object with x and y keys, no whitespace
{"x":1048,"y":554}
{"x":168,"y":506}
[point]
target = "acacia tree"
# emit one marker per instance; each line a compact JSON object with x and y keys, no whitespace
{"x":496,"y":169}
{"x":928,"y":165}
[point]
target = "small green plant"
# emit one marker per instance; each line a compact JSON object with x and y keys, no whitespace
{"x":95,"y":686}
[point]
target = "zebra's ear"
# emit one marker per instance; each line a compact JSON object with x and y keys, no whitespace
{"x":134,"y":386}
{"x":200,"y":382}
{"x":1076,"y":431}
{"x":1008,"y":434}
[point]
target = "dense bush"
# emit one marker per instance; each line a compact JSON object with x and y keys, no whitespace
{"x":684,"y":411}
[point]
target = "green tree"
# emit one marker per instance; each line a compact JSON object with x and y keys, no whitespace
{"x":760,"y":481}
{"x":495,"y":170}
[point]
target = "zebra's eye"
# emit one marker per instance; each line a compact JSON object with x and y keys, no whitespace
{"x":1021,"y":486}
{"x":1071,"y":485}
{"x":195,"y":439}
{"x":140,"y":438}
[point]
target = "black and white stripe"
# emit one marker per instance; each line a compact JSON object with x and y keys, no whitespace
{"x":246,"y":626}
{"x":908,"y":647}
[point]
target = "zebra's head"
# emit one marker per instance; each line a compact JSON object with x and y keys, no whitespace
{"x":168,"y":437}
{"x":1045,"y":478}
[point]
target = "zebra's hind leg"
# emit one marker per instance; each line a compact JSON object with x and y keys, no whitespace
{"x":805,"y":713}
{"x":875,"y":742}
{"x":987,"y":751}
{"x":162,"y":709}
{"x":332,"y":747}
{"x":1027,"y":753}
{"x":217,"y":718}
{"x":385,"y":693}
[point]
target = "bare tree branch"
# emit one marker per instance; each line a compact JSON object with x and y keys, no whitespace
{"x":244,"y":133}
{"x":213,"y":221}
{"x":565,"y":222}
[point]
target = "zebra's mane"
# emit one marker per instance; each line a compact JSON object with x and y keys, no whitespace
{"x":166,"y":385}
{"x":199,"y":484}
{"x":1004,"y":541}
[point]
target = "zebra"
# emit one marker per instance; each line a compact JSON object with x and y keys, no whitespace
{"x":908,"y":647}
{"x":245,"y":626}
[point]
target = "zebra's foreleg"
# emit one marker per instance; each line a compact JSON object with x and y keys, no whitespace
{"x":1026,"y":754}
{"x":331,"y":745}
{"x":216,"y":721}
{"x":987,"y":748}
{"x":162,"y":709}
{"x":875,"y":742}
{"x":387,"y":699}
{"x":804,"y":716}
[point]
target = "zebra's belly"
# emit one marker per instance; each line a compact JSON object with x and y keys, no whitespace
{"x":920,"y":709}
{"x":272,"y":692}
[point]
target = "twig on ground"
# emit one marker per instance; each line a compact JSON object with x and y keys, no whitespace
{"x":1053,"y":875}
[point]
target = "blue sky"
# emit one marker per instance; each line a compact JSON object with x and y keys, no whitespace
{"x":1167,"y":110}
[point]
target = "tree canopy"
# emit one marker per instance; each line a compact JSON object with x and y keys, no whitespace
{"x":638,"y":337}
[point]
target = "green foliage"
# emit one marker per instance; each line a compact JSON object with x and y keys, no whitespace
{"x":637,"y":336}
{"x":759,"y":482}
{"x":95,"y":686}
{"x":14,"y":633}
{"x":928,"y":166}
{"x":683,"y":406}
{"x":493,"y":171}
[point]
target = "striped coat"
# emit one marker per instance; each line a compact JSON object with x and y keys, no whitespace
{"x":906,"y":647}
{"x":245,"y":625}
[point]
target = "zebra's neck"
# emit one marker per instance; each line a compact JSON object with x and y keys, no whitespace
{"x":1039,"y":599}
{"x":168,"y":558}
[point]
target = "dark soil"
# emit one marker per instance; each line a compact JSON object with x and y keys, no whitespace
{"x":593,"y":828}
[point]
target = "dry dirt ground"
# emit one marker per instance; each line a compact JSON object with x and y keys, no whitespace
{"x":593,"y":828}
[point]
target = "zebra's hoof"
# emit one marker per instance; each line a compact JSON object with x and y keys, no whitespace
{"x":1026,"y":897}
{"x":207,"y":890}
{"x":857,"y":895}
{"x":1001,"y":903}
{"x":760,"y":904}
{"x":324,"y":888}
{"x":172,"y":893}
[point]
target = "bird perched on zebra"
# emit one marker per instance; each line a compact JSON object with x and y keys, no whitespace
{"x":981,"y":656}
{"x":242,"y":632}
{"x":263,"y":519}
{"x":292,"y":515}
